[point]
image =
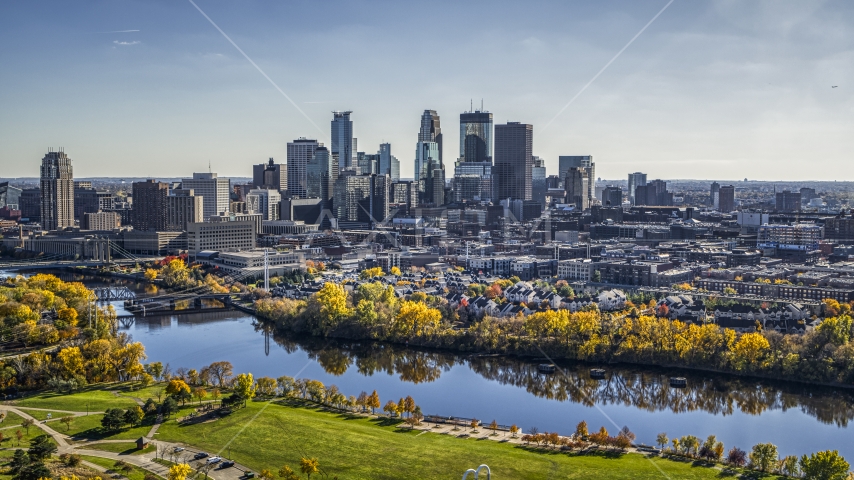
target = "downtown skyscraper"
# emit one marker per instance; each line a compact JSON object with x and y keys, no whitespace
{"x":473,"y":173}
{"x":300,"y":153}
{"x":342,"y":139}
{"x":514,"y":160}
{"x":431,"y":131}
{"x":57,"y":191}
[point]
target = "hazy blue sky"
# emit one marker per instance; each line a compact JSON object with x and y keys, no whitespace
{"x":718,"y":89}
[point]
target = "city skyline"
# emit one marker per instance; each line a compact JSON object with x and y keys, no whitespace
{"x":707,"y":91}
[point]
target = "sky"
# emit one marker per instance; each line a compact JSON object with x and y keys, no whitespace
{"x":710,"y":90}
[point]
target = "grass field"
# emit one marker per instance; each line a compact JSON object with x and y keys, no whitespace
{"x":358,"y":448}
{"x":136,"y":474}
{"x":12,"y":419}
{"x":355,"y":447}
{"x":128,"y":448}
{"x":94,"y":397}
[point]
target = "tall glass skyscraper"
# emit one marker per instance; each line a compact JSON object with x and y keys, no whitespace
{"x":342,"y":139}
{"x":512,"y":173}
{"x":430,"y":130}
{"x":476,"y":137}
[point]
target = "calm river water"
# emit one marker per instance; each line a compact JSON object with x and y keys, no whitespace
{"x":741,"y":412}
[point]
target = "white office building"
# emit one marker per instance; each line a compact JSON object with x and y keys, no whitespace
{"x":215,"y":192}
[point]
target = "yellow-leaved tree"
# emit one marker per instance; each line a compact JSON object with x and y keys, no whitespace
{"x":416,"y":319}
{"x":331,"y":305}
{"x":749,"y":352}
{"x":179,"y":471}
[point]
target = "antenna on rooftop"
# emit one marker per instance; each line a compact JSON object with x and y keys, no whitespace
{"x":481,"y":104}
{"x":471,"y":105}
{"x":209,"y":167}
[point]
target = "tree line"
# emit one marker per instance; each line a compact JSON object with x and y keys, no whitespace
{"x":373,"y":311}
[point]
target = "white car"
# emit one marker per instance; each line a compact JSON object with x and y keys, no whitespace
{"x":214,"y":460}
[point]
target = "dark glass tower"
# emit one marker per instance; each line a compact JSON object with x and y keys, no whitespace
{"x":514,"y":144}
{"x":430,"y":130}
{"x":476,"y":137}
{"x":342,"y":139}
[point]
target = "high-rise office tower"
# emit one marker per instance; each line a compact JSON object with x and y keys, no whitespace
{"x":514,"y":143}
{"x":388,"y":163}
{"x":576,"y":187}
{"x":653,"y":193}
{"x":31,"y":204}
{"x":57,"y":191}
{"x":566,"y":162}
{"x":726,"y":198}
{"x":473,"y":182}
{"x":300,"y":152}
{"x":786,"y":201}
{"x":183,"y":207}
{"x":150,"y":207}
{"x":361,"y":198}
{"x":321,"y":174}
{"x":430,"y":130}
{"x":265,"y":201}
{"x":635,"y":180}
{"x":342,"y":139}
{"x":270,"y":175}
{"x":538,"y":181}
{"x":612,"y":196}
{"x":426,"y":165}
{"x":214,"y":190}
{"x":476,"y":137}
{"x":714,"y":191}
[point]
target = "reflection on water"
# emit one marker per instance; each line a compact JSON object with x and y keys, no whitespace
{"x":643,"y":388}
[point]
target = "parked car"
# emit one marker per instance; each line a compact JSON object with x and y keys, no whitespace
{"x":226,"y":464}
{"x":178,"y":449}
{"x":214,"y":460}
{"x":200,"y":455}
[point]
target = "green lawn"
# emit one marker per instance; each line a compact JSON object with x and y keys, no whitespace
{"x":90,"y":427}
{"x":354,"y":447}
{"x":128,"y":448}
{"x":41,"y":414}
{"x":359,"y":448}
{"x":97,"y":400}
{"x":137,"y":473}
{"x":12,"y":419}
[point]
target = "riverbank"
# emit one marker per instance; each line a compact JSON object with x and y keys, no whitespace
{"x":266,"y":435}
{"x":538,"y":356}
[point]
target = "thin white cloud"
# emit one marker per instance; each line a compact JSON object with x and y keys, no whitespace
{"x":135,"y":42}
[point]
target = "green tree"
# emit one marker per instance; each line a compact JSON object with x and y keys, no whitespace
{"x":41,"y":448}
{"x":113,"y":419}
{"x":826,"y":465}
{"x":20,"y":459}
{"x":134,"y":415}
{"x":34,"y":471}
{"x":155,"y":369}
{"x":764,"y":456}
{"x":169,"y":406}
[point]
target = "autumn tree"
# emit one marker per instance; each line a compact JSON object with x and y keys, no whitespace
{"x":286,"y":473}
{"x":179,"y":471}
{"x":374,"y":401}
{"x":266,"y":386}
{"x":308,"y":466}
{"x":825,"y":465}
{"x":244,"y":387}
{"x":200,"y":393}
